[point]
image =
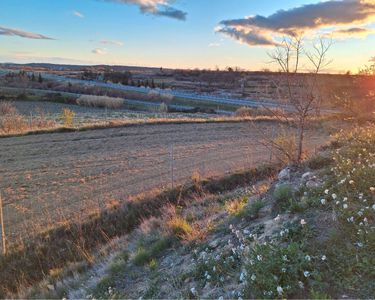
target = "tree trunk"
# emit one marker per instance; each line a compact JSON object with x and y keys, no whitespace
{"x":301,"y":133}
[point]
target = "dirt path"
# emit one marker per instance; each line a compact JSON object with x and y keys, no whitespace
{"x":51,"y":178}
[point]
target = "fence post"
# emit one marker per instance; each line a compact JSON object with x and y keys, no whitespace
{"x":2,"y":226}
{"x":172,"y":165}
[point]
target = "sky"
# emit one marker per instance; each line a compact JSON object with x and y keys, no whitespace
{"x":182,"y":33}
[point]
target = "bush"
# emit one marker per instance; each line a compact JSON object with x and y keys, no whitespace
{"x":155,"y":95}
{"x":7,"y":108}
{"x":180,"y":227}
{"x":142,"y":257}
{"x":285,"y":147}
{"x":252,"y":211}
{"x":68,"y":117}
{"x":236,"y":207}
{"x":100,"y":101}
{"x":283,"y":195}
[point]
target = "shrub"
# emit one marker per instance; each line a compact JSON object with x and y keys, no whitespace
{"x":252,"y":211}
{"x":283,"y":195}
{"x":163,"y":107}
{"x":180,"y":227}
{"x":10,"y":120}
{"x":142,"y":257}
{"x":236,"y":207}
{"x":7,"y":108}
{"x":285,"y":147}
{"x":68,"y":117}
{"x":100,"y":101}
{"x":155,"y":95}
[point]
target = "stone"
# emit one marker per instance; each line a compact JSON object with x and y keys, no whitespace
{"x":284,"y":174}
{"x":307,"y":176}
{"x":214,"y":244}
{"x":314,"y":183}
{"x":50,"y":287}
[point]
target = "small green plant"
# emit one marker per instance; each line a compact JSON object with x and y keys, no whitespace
{"x":283,"y":196}
{"x":153,"y":264}
{"x":142,"y":257}
{"x":252,"y":211}
{"x":68,"y":117}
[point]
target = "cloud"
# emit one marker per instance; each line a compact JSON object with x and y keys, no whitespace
{"x":23,"y":34}
{"x":261,"y":30}
{"x":214,"y":45}
{"x":99,"y":51}
{"x":160,"y":8}
{"x":78,"y":14}
{"x":352,"y":32}
{"x":249,"y":37}
{"x":111,"y":42}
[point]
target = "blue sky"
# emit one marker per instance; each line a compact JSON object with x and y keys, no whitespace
{"x":138,"y":32}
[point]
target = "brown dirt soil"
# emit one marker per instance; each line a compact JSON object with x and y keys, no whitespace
{"x":48,"y":179}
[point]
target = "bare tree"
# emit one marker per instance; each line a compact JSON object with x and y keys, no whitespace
{"x":297,"y":86}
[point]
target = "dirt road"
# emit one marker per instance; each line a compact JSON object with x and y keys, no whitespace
{"x":50,"y":178}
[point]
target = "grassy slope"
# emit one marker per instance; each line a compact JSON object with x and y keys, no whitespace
{"x":28,"y":263}
{"x":294,"y":240}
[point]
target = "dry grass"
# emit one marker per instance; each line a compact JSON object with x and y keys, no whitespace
{"x":154,"y":95}
{"x":13,"y":123}
{"x":260,"y":111}
{"x":100,"y":101}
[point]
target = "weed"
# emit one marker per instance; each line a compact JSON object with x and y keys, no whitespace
{"x":252,"y":211}
{"x":236,"y":207}
{"x":283,"y":195}
{"x":153,"y":264}
{"x":68,"y":117}
{"x":142,"y":257}
{"x":180,"y":227}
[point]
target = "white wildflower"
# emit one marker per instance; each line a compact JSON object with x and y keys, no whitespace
{"x":303,"y":222}
{"x":345,"y":206}
{"x":259,"y":257}
{"x":300,"y":284}
{"x":253,"y":277}
{"x":334,"y":196}
{"x":279,"y":290}
{"x":326,"y":192}
{"x":306,"y":274}
{"x":324,"y":258}
{"x":323,"y":201}
{"x":308,"y":258}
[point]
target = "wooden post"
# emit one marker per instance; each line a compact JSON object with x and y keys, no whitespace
{"x":2,"y":225}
